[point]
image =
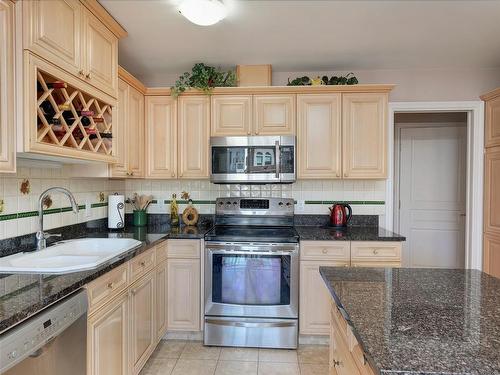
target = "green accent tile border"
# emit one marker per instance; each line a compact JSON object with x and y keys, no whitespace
{"x":50,"y":211}
{"x":181,"y":201}
{"x":347,"y":202}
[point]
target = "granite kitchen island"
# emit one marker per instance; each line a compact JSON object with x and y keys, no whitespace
{"x":413,"y":321}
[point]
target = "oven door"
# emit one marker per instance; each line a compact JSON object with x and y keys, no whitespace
{"x":251,"y":280}
{"x":255,"y":159}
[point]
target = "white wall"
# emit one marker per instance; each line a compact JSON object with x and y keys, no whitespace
{"x":411,"y":85}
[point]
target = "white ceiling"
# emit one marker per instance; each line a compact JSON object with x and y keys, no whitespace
{"x":306,"y":35}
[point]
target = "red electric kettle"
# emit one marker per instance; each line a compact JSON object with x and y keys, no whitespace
{"x":340,"y":214}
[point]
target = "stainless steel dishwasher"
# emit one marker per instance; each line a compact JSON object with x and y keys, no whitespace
{"x":52,"y":342}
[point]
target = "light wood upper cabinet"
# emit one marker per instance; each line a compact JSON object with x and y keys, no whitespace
{"x":70,"y":36}
{"x":135,"y":133}
{"x":492,"y":191}
{"x":7,"y":110}
{"x":120,"y":168}
{"x":231,"y":115}
{"x":364,"y":128}
{"x":161,"y":300}
{"x":183,"y":285}
{"x":319,"y":136}
{"x":108,"y":339}
{"x":193,"y":131}
{"x":53,"y":30}
{"x":100,"y":55}
{"x":161,"y":129}
{"x":492,"y":125}
{"x":129,"y":139}
{"x":274,"y":115}
{"x":142,"y":319}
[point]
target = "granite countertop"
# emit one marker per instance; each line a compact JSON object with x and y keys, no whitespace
{"x":29,"y":293}
{"x":327,"y":233}
{"x":421,"y":321}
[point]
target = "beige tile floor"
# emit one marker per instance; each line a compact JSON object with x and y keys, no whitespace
{"x":175,"y":357}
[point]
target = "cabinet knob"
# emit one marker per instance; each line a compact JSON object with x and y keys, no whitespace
{"x":143,"y":264}
{"x":81,"y":73}
{"x":131,"y":173}
{"x":256,"y":132}
{"x":110,"y":285}
{"x":375,"y":251}
{"x":338,"y":174}
{"x":88,"y":75}
{"x":173,"y":174}
{"x":324,"y":251}
{"x":337,"y":363}
{"x":249,"y":133}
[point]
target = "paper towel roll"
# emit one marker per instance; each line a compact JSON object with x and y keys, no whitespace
{"x":116,"y":211}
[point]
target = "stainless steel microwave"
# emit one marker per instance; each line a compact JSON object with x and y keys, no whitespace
{"x":254,"y":159}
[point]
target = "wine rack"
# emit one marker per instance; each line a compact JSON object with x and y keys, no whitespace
{"x":70,"y":118}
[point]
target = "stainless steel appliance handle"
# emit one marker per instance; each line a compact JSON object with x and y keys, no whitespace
{"x":222,"y":252}
{"x":233,"y":323}
{"x":251,"y":248}
{"x":278,"y":158}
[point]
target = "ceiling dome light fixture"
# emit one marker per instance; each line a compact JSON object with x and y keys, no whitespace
{"x":203,"y":12}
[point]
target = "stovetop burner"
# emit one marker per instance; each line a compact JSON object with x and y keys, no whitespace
{"x":235,"y":233}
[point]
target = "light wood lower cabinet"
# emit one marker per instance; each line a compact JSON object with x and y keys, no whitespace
{"x":314,"y":315}
{"x":183,"y":295}
{"x":491,"y":256}
{"x":346,"y":357}
{"x":375,"y":254}
{"x":142,"y":321}
{"x":108,"y":339}
{"x":161,"y":300}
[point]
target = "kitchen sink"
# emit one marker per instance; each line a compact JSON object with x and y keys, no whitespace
{"x":68,"y":256}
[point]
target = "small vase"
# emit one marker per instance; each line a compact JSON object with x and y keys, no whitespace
{"x":140,"y":218}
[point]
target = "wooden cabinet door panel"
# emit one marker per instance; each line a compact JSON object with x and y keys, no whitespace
{"x":492,"y":129}
{"x":231,"y":115}
{"x":491,"y":256}
{"x":142,"y":311}
{"x":135,"y":134}
{"x":161,"y":128}
{"x":274,"y":115}
{"x":161,"y":300}
{"x":492,"y":191}
{"x":314,"y":304}
{"x":53,"y":30}
{"x":7,"y":110}
{"x":183,"y":305}
{"x":193,"y":128}
{"x":108,"y":339}
{"x":100,"y":55}
{"x":319,"y":136}
{"x":364,"y":128}
{"x":120,"y":132}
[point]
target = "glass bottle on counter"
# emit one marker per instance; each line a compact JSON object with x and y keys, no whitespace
{"x":174,"y":211}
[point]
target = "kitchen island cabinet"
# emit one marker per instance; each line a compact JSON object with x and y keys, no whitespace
{"x":413,"y":321}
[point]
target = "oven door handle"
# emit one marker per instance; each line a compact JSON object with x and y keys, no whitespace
{"x":233,"y":323}
{"x":243,"y":252}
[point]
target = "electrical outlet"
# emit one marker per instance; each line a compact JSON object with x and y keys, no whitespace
{"x":87,"y":208}
{"x":301,"y":206}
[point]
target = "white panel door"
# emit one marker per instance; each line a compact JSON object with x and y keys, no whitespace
{"x":432,"y":193}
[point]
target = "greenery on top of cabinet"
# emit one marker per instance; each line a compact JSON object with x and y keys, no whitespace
{"x":205,"y":78}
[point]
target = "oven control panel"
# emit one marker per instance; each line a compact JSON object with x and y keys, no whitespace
{"x":255,"y":206}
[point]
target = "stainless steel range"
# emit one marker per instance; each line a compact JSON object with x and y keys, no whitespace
{"x":251,"y":274}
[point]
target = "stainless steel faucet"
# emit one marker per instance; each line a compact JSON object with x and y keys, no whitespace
{"x":42,"y":236}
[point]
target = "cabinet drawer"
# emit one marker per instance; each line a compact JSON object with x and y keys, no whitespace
{"x":142,"y":264}
{"x":107,"y":286}
{"x":183,"y":249}
{"x":324,"y":250}
{"x":376,"y":251}
{"x":161,"y":252}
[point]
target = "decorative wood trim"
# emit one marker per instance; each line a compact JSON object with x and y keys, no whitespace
{"x":490,"y":95}
{"x":107,"y":19}
{"x":256,"y":90}
{"x":131,"y":80}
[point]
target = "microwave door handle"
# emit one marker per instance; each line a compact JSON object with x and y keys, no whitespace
{"x":278,"y":158}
